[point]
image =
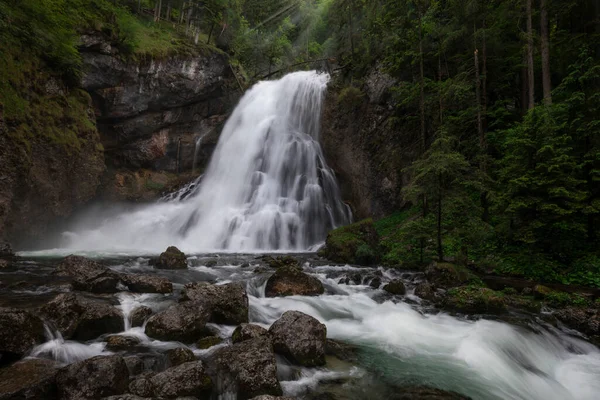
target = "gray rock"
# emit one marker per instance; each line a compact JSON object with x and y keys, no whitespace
{"x":179,"y":356}
{"x":208,"y":342}
{"x":425,"y":291}
{"x":20,"y":331}
{"x":88,"y":275}
{"x":228,"y":304}
{"x":395,"y":287}
{"x":93,"y":378}
{"x":172,"y":258}
{"x":188,"y":379}
{"x":125,"y":397}
{"x":184,"y":322}
{"x":247,"y":331}
{"x":248,"y":369}
{"x":138,"y":316}
{"x":142,"y":385}
{"x":299,"y":337}
{"x":146,"y":283}
{"x":269,"y":397}
{"x":80,"y":318}
{"x":121,"y":342}
{"x":291,"y":281}
{"x":135,"y":365}
{"x":29,"y":379}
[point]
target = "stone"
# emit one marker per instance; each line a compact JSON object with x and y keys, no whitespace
{"x":208,"y":342}
{"x":179,"y":356}
{"x":88,"y":275}
{"x":299,"y":337}
{"x":269,"y":397}
{"x":395,"y":287}
{"x":20,"y":331}
{"x":278,"y":262}
{"x":146,"y":283}
{"x":135,"y":365}
{"x":125,"y":397}
{"x":375,"y":282}
{"x":585,"y":320}
{"x":341,"y":350}
{"x":247,"y":369}
{"x":425,"y":291}
{"x":121,"y":342}
{"x":142,"y":385}
{"x":228,"y":304}
{"x":247,"y":331}
{"x":188,"y":379}
{"x":291,"y":281}
{"x":80,"y":318}
{"x":139,"y":315}
{"x":29,"y":379}
{"x":96,"y":377}
{"x":172,"y":258}
{"x":6,"y":250}
{"x":184,"y":322}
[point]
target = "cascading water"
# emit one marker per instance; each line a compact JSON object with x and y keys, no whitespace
{"x":267,"y":186}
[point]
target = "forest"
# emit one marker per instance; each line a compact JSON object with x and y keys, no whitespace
{"x":501,"y":100}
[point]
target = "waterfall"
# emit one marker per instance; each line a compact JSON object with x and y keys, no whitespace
{"x":196,"y":150}
{"x":267,"y":186}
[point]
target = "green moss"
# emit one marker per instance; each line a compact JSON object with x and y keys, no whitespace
{"x":355,"y":243}
{"x":156,"y":186}
{"x":473,"y":299}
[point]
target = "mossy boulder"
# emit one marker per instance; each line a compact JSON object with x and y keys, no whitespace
{"x":172,"y":258}
{"x":395,"y":287}
{"x":357,"y":243}
{"x":476,"y":300}
{"x":447,"y":275}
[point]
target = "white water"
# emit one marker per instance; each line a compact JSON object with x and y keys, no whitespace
{"x":267,"y":186}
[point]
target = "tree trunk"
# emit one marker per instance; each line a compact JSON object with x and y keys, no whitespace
{"x":422,"y":86}
{"x":530,"y":71}
{"x":524,"y":83}
{"x":212,"y":26}
{"x":482,"y":141}
{"x":181,"y":12}
{"x":440,"y":86}
{"x":546,"y":83}
{"x":440,"y":249}
{"x":168,"y":14}
{"x":484,"y":77}
{"x":350,"y":9}
{"x":139,"y":10}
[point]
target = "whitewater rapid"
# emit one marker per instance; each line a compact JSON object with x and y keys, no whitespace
{"x":267,"y":186}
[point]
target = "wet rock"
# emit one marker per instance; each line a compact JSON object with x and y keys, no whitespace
{"x":278,"y":262}
{"x":247,"y":331}
{"x":179,"y":356}
{"x":125,"y":397}
{"x":188,"y":379}
{"x":269,"y":397}
{"x":341,"y":350}
{"x":88,"y":275}
{"x":425,"y":393}
{"x":6,"y":250}
{"x":425,"y":291}
{"x":121,"y":342}
{"x":208,"y":342}
{"x":138,"y":316}
{"x":147,"y":283}
{"x":467,"y":299}
{"x":228,"y":304}
{"x":4,"y":264}
{"x":248,"y":369}
{"x":375,"y":282}
{"x":299,"y":337}
{"x":585,"y":320}
{"x":93,"y":378}
{"x":135,"y":365}
{"x":291,"y":281}
{"x":80,"y":318}
{"x":20,"y":330}
{"x":29,"y":379}
{"x":184,"y":322}
{"x":448,"y":275}
{"x":142,"y":385}
{"x":395,"y":287}
{"x":172,"y":258}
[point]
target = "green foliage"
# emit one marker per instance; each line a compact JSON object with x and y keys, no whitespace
{"x":355,"y":244}
{"x":350,"y":98}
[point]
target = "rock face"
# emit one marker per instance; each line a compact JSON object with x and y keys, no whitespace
{"x":88,"y":275}
{"x":184,"y":322}
{"x":228,"y":304}
{"x":172,"y":258}
{"x":248,"y":369}
{"x":29,"y":379}
{"x":247,"y":332}
{"x":81,"y":319}
{"x":20,"y":331}
{"x":299,"y":337}
{"x":93,"y":378}
{"x":291,"y":281}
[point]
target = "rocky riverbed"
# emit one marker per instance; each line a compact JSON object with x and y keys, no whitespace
{"x":219,"y":326}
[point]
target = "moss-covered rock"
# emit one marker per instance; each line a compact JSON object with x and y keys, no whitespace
{"x":472,"y":299}
{"x":395,"y":287}
{"x":357,"y":243}
{"x":448,"y":275}
{"x":541,"y":291}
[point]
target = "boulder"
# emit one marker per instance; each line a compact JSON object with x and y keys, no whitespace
{"x":121,"y":342}
{"x":139,"y":315}
{"x":299,"y":337}
{"x":228,"y":304}
{"x":93,"y":378}
{"x":291,"y":281}
{"x":395,"y":287}
{"x":184,"y":322}
{"x":172,"y":258}
{"x":375,"y":282}
{"x":247,"y":369}
{"x":29,"y":379}
{"x":88,"y":275}
{"x":474,"y":300}
{"x":188,"y":379}
{"x":20,"y":331}
{"x":80,"y":318}
{"x":208,"y":342}
{"x":425,"y":291}
{"x":142,"y":385}
{"x":146,"y":283}
{"x":247,"y":331}
{"x":179,"y":356}
{"x":135,"y":365}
